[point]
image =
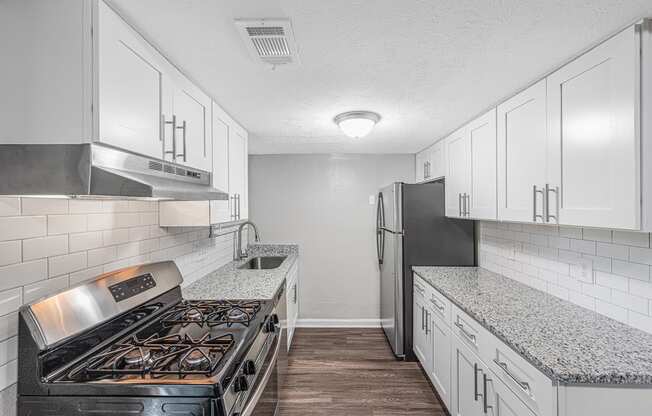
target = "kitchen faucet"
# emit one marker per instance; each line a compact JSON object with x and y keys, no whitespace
{"x":240,"y":252}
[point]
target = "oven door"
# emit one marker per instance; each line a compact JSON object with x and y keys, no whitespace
{"x":264,"y":399}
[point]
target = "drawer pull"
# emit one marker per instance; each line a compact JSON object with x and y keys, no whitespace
{"x":475,"y":382}
{"x":437,"y":305}
{"x":525,"y":386}
{"x":466,"y":333}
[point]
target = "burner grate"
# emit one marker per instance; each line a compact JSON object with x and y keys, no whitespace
{"x":158,"y":356}
{"x":212,"y":313}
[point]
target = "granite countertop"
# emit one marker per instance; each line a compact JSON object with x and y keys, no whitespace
{"x":229,"y":282}
{"x":568,"y":343}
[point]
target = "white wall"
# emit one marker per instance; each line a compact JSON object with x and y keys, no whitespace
{"x":49,"y":244}
{"x":321,"y":202}
{"x":607,"y":271}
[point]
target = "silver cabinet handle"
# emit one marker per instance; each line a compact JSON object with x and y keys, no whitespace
{"x":437,"y":305}
{"x":183,"y":128}
{"x":466,"y":333}
{"x":172,"y":152}
{"x":525,"y":386}
{"x":485,"y":396}
{"x":554,"y":190}
{"x":427,"y":319}
{"x":467,"y":205}
{"x":238,"y":198}
{"x":475,"y":382}
{"x":459,"y":203}
{"x":423,"y":320}
{"x":232,"y":207}
{"x":536,"y":191}
{"x":294,"y":295}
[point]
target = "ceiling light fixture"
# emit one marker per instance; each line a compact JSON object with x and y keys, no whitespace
{"x":357,"y":124}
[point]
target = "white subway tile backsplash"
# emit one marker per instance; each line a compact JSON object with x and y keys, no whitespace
{"x":10,"y":300}
{"x":631,"y":238}
{"x":570,"y":232}
{"x":633,"y":303}
{"x":640,"y":255}
{"x":639,"y":288}
{"x":597,"y":234}
{"x":9,"y":206}
{"x":86,"y":274}
{"x":65,"y":224}
{"x":114,"y":237}
{"x":634,"y":270}
{"x":102,"y":256}
{"x":612,"y":311}
{"x":10,"y":252}
{"x":8,"y":325}
{"x":612,"y":281}
{"x":583,"y":246}
{"x":44,"y":206}
{"x":67,"y":263}
{"x":38,"y":248}
{"x":640,"y":321}
{"x":23,"y":273}
{"x":16,"y":228}
{"x":616,"y":251}
{"x":85,"y":206}
{"x":85,"y":241}
{"x":8,"y":374}
{"x":8,"y":350}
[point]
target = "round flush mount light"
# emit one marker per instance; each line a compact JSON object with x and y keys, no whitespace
{"x":357,"y":124}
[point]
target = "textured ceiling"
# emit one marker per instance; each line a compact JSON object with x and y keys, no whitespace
{"x":425,"y":66}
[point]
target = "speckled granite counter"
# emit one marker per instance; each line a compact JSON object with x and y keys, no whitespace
{"x":229,"y":282}
{"x":566,"y":342}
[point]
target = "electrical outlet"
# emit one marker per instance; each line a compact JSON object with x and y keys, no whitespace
{"x":372,"y":199}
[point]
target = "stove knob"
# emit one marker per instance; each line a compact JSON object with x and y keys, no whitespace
{"x":275,"y":319}
{"x":249,"y":368}
{"x":269,"y":326}
{"x":240,"y":384}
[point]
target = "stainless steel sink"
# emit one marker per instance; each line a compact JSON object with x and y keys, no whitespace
{"x":263,"y":263}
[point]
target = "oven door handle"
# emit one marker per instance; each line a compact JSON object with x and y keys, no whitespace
{"x":253,"y":400}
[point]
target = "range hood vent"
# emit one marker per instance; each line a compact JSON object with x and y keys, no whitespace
{"x":270,"y":41}
{"x":98,"y":171}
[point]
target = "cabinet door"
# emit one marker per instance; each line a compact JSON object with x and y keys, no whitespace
{"x":440,"y":371}
{"x":437,"y":163}
{"x":466,"y":375}
{"x":193,"y":143}
{"x":593,"y":142}
{"x":130,"y":79}
{"x":420,"y":166}
{"x":482,"y":143}
{"x":238,"y":171}
{"x":458,"y":166}
{"x":220,"y":148}
{"x":419,"y":343}
{"x":521,"y":126}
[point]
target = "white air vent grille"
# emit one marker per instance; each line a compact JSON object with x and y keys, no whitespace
{"x":269,"y":40}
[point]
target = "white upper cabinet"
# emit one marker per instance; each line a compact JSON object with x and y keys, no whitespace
{"x":238,"y":165}
{"x":190,"y":144}
{"x":420,"y":166}
{"x":471,"y":169}
{"x":130,"y":87}
{"x":593,"y":146}
{"x":220,"y":149}
{"x":482,"y":145}
{"x":521,"y":126}
{"x":430,"y":163}
{"x":458,"y":173}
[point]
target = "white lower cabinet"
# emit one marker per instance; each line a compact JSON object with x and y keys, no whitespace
{"x":440,"y":370}
{"x":292,"y":299}
{"x":420,"y":331}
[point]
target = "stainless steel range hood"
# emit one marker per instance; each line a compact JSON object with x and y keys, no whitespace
{"x":98,"y":170}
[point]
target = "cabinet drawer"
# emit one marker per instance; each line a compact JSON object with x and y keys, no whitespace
{"x":440,"y":306}
{"x":470,"y":331}
{"x":421,"y":287}
{"x":534,"y":388}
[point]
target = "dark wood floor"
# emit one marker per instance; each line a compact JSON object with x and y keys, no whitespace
{"x":352,"y":372}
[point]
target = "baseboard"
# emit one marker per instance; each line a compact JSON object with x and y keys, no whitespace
{"x":338,"y":323}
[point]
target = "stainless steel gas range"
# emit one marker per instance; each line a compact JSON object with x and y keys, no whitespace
{"x":127,"y":343}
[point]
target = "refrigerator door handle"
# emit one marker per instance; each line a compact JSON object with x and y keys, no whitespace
{"x":380,"y":228}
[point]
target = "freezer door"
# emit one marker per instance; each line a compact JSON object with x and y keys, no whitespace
{"x":389,"y":202}
{"x":391,"y":291}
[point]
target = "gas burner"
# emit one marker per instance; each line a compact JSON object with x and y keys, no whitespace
{"x":137,"y":356}
{"x":194,"y":358}
{"x":236,"y":314}
{"x":193,"y":314}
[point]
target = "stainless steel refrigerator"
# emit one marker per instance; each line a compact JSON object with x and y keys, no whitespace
{"x":412,"y":230}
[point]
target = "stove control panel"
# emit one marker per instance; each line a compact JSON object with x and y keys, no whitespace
{"x":132,"y":287}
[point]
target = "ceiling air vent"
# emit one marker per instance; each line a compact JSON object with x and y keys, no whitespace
{"x":269,"y":40}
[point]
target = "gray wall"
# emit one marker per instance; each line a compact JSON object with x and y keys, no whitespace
{"x":321,"y":201}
